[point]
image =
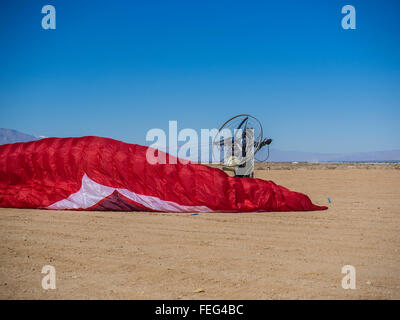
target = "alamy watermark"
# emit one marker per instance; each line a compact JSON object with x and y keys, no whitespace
{"x":212,"y":146}
{"x":49,"y":20}
{"x":349,"y":280}
{"x":349,"y":20}
{"x":49,"y":280}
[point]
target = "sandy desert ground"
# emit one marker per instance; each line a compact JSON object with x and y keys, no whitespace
{"x":297,"y":255}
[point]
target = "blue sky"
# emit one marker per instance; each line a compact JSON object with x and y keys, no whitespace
{"x":119,"y":68}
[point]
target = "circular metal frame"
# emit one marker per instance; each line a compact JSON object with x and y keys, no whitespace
{"x":233,"y":162}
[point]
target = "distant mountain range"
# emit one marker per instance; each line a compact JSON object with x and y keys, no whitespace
{"x":12,"y":136}
{"x":290,"y":156}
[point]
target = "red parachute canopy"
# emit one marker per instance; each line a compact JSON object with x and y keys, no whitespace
{"x":93,"y":173}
